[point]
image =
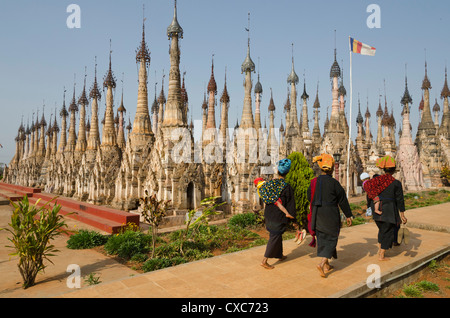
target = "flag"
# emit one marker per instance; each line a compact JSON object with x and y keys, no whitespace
{"x":361,"y":48}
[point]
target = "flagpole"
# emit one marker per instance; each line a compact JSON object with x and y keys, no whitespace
{"x":350,"y":120}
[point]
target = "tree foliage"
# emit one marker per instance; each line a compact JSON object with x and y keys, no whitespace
{"x":299,"y":177}
{"x":153,"y":211}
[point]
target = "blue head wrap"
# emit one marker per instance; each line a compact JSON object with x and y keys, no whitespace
{"x":284,"y":165}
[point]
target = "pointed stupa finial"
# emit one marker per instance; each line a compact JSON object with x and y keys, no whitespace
{"x":212,"y":86}
{"x":342,"y":91}
{"x":162,"y":97}
{"x":63,"y":112}
{"x":225,"y":97}
{"x":271,"y":103}
{"x":316,"y":102}
{"x":292,"y":78}
{"x":73,"y":105}
{"x":142,"y":53}
{"x":258,"y":86}
{"x":83,"y":98}
{"x":304,"y":95}
{"x":109,"y":80}
{"x":335,"y":69}
{"x":445,"y":91}
{"x":155,"y":106}
{"x":359,"y":118}
{"x":122,"y":107}
{"x":426,"y":82}
{"x":367,"y":114}
{"x":248,"y":65}
{"x":43,"y":122}
{"x":55,"y":124}
{"x":406,"y":99}
{"x":95,"y":92}
{"x":174,"y":28}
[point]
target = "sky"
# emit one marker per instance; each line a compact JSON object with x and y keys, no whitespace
{"x":40,"y":54}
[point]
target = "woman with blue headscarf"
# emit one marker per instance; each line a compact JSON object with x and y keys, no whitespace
{"x":276,"y":221}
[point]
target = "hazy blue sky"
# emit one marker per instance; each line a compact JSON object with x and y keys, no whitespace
{"x":39,"y":54}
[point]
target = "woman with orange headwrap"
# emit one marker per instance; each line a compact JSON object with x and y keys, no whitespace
{"x":390,"y":195}
{"x":326,"y":196}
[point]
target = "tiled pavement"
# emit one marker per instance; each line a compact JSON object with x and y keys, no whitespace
{"x":239,"y":275}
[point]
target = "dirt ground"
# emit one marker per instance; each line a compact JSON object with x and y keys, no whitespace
{"x":439,"y":275}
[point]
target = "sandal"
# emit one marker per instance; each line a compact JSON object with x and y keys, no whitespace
{"x":405,"y":234}
{"x":297,"y":235}
{"x":400,"y":234}
{"x":302,"y":237}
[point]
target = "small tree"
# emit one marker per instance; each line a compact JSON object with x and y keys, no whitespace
{"x":299,"y":177}
{"x":210,"y":205}
{"x":32,"y":229}
{"x":153,"y":212}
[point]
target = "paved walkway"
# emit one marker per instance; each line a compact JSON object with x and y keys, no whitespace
{"x":239,"y":275}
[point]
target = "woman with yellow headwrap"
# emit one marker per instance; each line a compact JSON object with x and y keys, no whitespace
{"x":324,"y":221}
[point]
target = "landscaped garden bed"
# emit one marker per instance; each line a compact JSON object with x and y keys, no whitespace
{"x":133,"y":246}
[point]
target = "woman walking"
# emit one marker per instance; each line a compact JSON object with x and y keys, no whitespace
{"x":276,"y":220}
{"x":391,"y":202}
{"x":326,"y":196}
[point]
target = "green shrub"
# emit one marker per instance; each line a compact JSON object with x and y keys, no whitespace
{"x":86,"y":239}
{"x":412,"y":291}
{"x":299,"y":177}
{"x":128,"y":243}
{"x":243,"y":220}
{"x":427,"y":286}
{"x":139,"y":258}
{"x":154,"y":264}
{"x":33,"y":228}
{"x":410,"y":195}
{"x":358,"y":220}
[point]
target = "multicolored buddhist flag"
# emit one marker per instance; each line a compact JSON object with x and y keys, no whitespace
{"x":361,"y":48}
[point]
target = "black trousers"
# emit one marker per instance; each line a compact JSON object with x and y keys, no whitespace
{"x":386,"y":234}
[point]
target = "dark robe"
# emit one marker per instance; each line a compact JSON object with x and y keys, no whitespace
{"x":276,"y":222}
{"x":392,"y":201}
{"x":326,"y":218}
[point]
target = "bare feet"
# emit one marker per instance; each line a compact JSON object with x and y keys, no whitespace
{"x":328,"y":268}
{"x":321,"y":272}
{"x":381,"y":256}
{"x":283,"y":258}
{"x":267,"y":266}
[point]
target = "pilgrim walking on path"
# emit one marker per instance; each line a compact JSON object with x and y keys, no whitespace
{"x":276,"y":220}
{"x":326,"y":196}
{"x":391,"y":203}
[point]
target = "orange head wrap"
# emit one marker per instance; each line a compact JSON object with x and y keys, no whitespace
{"x":385,"y":162}
{"x":325,"y":161}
